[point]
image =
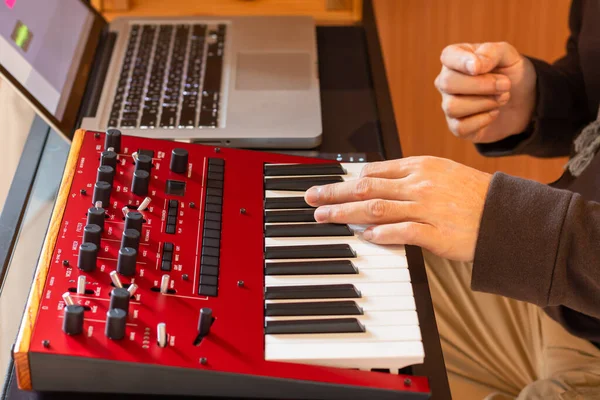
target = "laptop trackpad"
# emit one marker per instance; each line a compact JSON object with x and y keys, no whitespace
{"x":273,"y":71}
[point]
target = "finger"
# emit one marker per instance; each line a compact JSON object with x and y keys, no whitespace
{"x":465,"y":127}
{"x":411,"y":233}
{"x":459,"y":106}
{"x":391,"y":169}
{"x":452,"y":82}
{"x":356,"y":190}
{"x":375,"y":211}
{"x":460,"y":57}
{"x":495,"y":55}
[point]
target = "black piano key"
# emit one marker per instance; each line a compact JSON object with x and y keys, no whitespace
{"x":329,"y":267}
{"x":303,"y":169}
{"x":313,"y":251}
{"x":347,"y":307}
{"x":307,"y":230}
{"x":313,"y":326}
{"x":342,"y":291}
{"x":286,"y":203}
{"x":301,"y":184}
{"x":290,"y":216}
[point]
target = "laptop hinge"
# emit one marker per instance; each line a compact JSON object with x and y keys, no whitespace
{"x":97,"y":75}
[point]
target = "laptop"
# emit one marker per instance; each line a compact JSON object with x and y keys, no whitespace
{"x":231,"y":81}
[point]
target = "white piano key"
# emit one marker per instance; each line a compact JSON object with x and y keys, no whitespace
{"x":367,"y":276}
{"x":361,"y":262}
{"x":393,"y":333}
{"x":372,"y":318}
{"x":378,"y":289}
{"x":359,"y":245}
{"x":388,"y":303}
{"x":395,"y":355}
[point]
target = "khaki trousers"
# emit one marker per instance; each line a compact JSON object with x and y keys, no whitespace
{"x":499,"y":348}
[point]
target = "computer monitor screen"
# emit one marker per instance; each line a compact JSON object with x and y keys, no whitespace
{"x":41,"y":45}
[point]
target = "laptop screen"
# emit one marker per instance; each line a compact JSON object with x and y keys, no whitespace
{"x":41,"y":45}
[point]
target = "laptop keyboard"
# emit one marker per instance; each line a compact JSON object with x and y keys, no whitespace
{"x":170,"y":77}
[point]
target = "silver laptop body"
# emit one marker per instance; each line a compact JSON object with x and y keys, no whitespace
{"x":267,"y":96}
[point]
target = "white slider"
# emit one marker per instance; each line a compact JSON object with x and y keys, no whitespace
{"x":114,"y":277}
{"x":161,"y":334}
{"x":144,"y":204}
{"x":81,"y":284}
{"x":68,"y":299}
{"x":110,"y":149}
{"x":132,"y":289}
{"x":98,"y":204}
{"x":135,"y":156}
{"x":164,"y":284}
{"x":125,"y":211}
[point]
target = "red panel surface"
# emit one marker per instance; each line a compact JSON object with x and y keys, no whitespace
{"x":236,"y":341}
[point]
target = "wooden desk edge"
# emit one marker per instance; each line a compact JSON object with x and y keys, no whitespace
{"x":23,"y":343}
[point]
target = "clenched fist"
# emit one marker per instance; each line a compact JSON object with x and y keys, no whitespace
{"x":430,"y":202}
{"x":488,"y":91}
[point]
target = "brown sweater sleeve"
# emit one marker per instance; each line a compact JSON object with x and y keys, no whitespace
{"x":562,"y":108}
{"x":539,"y":244}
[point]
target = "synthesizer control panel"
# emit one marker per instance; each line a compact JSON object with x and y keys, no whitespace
{"x":152,"y":277}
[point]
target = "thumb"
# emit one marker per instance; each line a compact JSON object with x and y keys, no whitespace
{"x":489,"y":56}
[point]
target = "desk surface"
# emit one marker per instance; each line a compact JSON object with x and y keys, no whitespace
{"x":357,"y":117}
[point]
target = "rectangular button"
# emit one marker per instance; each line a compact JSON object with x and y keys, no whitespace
{"x":208,"y":280}
{"x":167,"y":256}
{"x":165,"y":266}
{"x":345,"y":307}
{"x":208,"y":260}
{"x":207,"y":290}
{"x":312,"y":251}
{"x":210,"y":251}
{"x":327,"y":267}
{"x":210,"y":242}
{"x":218,"y":176}
{"x":286,"y":202}
{"x":170,"y":229}
{"x":168,"y":246}
{"x":214,"y":200}
{"x":216,"y":161}
{"x":172,"y":212}
{"x":173,"y":203}
{"x":307,"y":230}
{"x":216,"y":168}
{"x":212,"y":216}
{"x":213,"y":208}
{"x":303,"y":169}
{"x":212,"y":225}
{"x":172,"y":220}
{"x":214,"y":192}
{"x":343,"y":291}
{"x":209,"y":270}
{"x":212,"y":183}
{"x":212,"y":233}
{"x":300,"y":184}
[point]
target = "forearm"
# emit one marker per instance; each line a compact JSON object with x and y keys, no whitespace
{"x":539,"y":245}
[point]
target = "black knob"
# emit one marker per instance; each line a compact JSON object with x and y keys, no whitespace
{"x":205,"y":321}
{"x":73,"y":319}
{"x":131,"y":238}
{"x":113,"y":139}
{"x":102,"y":193}
{"x":106,"y":173}
{"x":119,"y":298}
{"x":91,"y":234}
{"x":96,"y":216}
{"x":134,"y":220}
{"x":179,"y":161}
{"x":109,"y":158}
{"x":144,"y":163}
{"x":115,"y":324}
{"x":140,"y":182}
{"x":88,"y":254}
{"x":126,"y":261}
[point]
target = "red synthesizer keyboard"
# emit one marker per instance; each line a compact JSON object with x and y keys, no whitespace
{"x":180,"y":269}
